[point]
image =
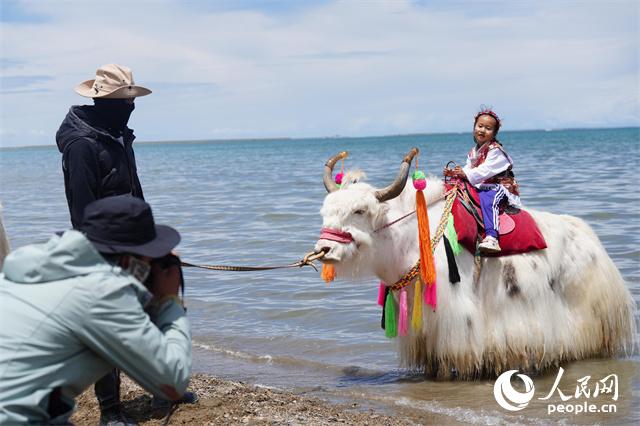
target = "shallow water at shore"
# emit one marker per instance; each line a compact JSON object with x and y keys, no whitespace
{"x":257,"y":202}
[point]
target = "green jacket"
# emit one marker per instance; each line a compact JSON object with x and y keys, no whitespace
{"x":67,"y":317}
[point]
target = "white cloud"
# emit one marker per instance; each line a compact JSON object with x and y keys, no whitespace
{"x":348,"y":67}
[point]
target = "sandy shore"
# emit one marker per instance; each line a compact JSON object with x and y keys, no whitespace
{"x":233,"y":403}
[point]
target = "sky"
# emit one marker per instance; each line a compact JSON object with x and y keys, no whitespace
{"x":267,"y":69}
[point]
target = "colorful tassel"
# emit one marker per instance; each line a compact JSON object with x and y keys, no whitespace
{"x":416,"y":317}
{"x":403,"y":317}
{"x":430,"y":295}
{"x":340,"y":176}
{"x":390,"y":326}
{"x":427,"y":265}
{"x":454,"y":274}
{"x":383,"y":319}
{"x":381,"y":293}
{"x":328,"y":272}
{"x":452,"y":236}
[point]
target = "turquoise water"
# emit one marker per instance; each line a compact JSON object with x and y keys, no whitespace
{"x":257,"y":203}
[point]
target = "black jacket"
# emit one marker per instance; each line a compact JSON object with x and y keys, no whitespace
{"x":95,"y":164}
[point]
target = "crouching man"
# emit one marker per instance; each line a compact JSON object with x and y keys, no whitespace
{"x":74,"y":307}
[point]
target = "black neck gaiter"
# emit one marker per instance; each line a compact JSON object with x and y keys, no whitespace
{"x":113,"y":114}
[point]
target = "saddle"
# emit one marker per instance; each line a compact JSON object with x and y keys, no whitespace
{"x":519,"y":233}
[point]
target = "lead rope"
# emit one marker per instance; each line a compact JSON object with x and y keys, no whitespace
{"x":305,"y":261}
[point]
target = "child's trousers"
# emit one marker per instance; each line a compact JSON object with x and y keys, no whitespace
{"x":489,"y":201}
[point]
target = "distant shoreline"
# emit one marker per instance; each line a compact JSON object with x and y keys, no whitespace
{"x":335,"y":137}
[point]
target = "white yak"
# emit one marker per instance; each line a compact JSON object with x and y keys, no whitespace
{"x":529,"y":311}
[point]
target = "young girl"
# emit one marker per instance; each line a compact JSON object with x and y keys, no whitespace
{"x":488,"y":169}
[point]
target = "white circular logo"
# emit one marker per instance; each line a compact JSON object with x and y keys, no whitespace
{"x":509,"y":398}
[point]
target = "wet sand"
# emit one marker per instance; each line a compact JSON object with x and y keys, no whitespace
{"x":233,"y":403}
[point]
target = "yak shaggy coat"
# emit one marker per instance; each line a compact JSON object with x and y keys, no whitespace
{"x":529,"y":311}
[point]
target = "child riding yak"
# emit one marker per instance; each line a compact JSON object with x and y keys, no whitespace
{"x":489,"y":170}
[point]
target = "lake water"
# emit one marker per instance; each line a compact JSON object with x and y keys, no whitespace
{"x":257,"y":202}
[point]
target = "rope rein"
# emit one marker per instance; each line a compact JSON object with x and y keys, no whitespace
{"x":305,"y":261}
{"x":412,"y":212}
{"x":395,"y":221}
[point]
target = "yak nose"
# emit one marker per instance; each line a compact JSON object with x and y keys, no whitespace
{"x":326,"y":254}
{"x":322,"y":246}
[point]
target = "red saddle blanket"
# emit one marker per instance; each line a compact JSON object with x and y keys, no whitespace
{"x":519,"y":233}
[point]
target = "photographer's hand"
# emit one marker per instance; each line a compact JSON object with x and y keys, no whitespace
{"x":165,"y":281}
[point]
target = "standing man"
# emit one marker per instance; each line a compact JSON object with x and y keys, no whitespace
{"x":98,"y":162}
{"x":95,"y":142}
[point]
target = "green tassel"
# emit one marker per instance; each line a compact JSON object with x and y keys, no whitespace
{"x":390,"y":324}
{"x":452,"y":236}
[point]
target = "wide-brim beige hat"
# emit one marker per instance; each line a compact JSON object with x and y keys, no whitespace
{"x":112,"y":82}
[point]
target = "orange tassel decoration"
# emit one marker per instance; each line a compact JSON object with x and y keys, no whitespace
{"x":328,"y":272}
{"x":427,"y":264}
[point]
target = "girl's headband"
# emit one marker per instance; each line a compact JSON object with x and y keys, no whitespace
{"x":489,"y":113}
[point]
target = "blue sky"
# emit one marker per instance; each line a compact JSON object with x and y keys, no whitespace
{"x":245,"y":69}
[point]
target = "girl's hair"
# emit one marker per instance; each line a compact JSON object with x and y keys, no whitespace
{"x":485,"y":110}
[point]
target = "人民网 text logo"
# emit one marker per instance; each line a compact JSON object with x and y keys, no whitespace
{"x":510,"y":399}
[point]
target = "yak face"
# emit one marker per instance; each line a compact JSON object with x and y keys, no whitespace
{"x":352,"y":214}
{"x":350,"y":217}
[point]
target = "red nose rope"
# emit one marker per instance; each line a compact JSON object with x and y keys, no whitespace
{"x":333,"y":234}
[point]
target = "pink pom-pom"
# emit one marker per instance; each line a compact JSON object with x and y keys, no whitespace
{"x":403,"y":320}
{"x":339,"y":178}
{"x":381,"y":293}
{"x":420,"y":184}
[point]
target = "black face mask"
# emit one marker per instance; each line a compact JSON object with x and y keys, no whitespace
{"x":113,"y":114}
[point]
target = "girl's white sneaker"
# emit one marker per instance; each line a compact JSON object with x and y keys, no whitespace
{"x":489,"y":245}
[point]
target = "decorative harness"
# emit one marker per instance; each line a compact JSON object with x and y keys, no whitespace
{"x":408,"y":278}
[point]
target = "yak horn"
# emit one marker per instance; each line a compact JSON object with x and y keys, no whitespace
{"x":393,"y":190}
{"x":328,"y":171}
